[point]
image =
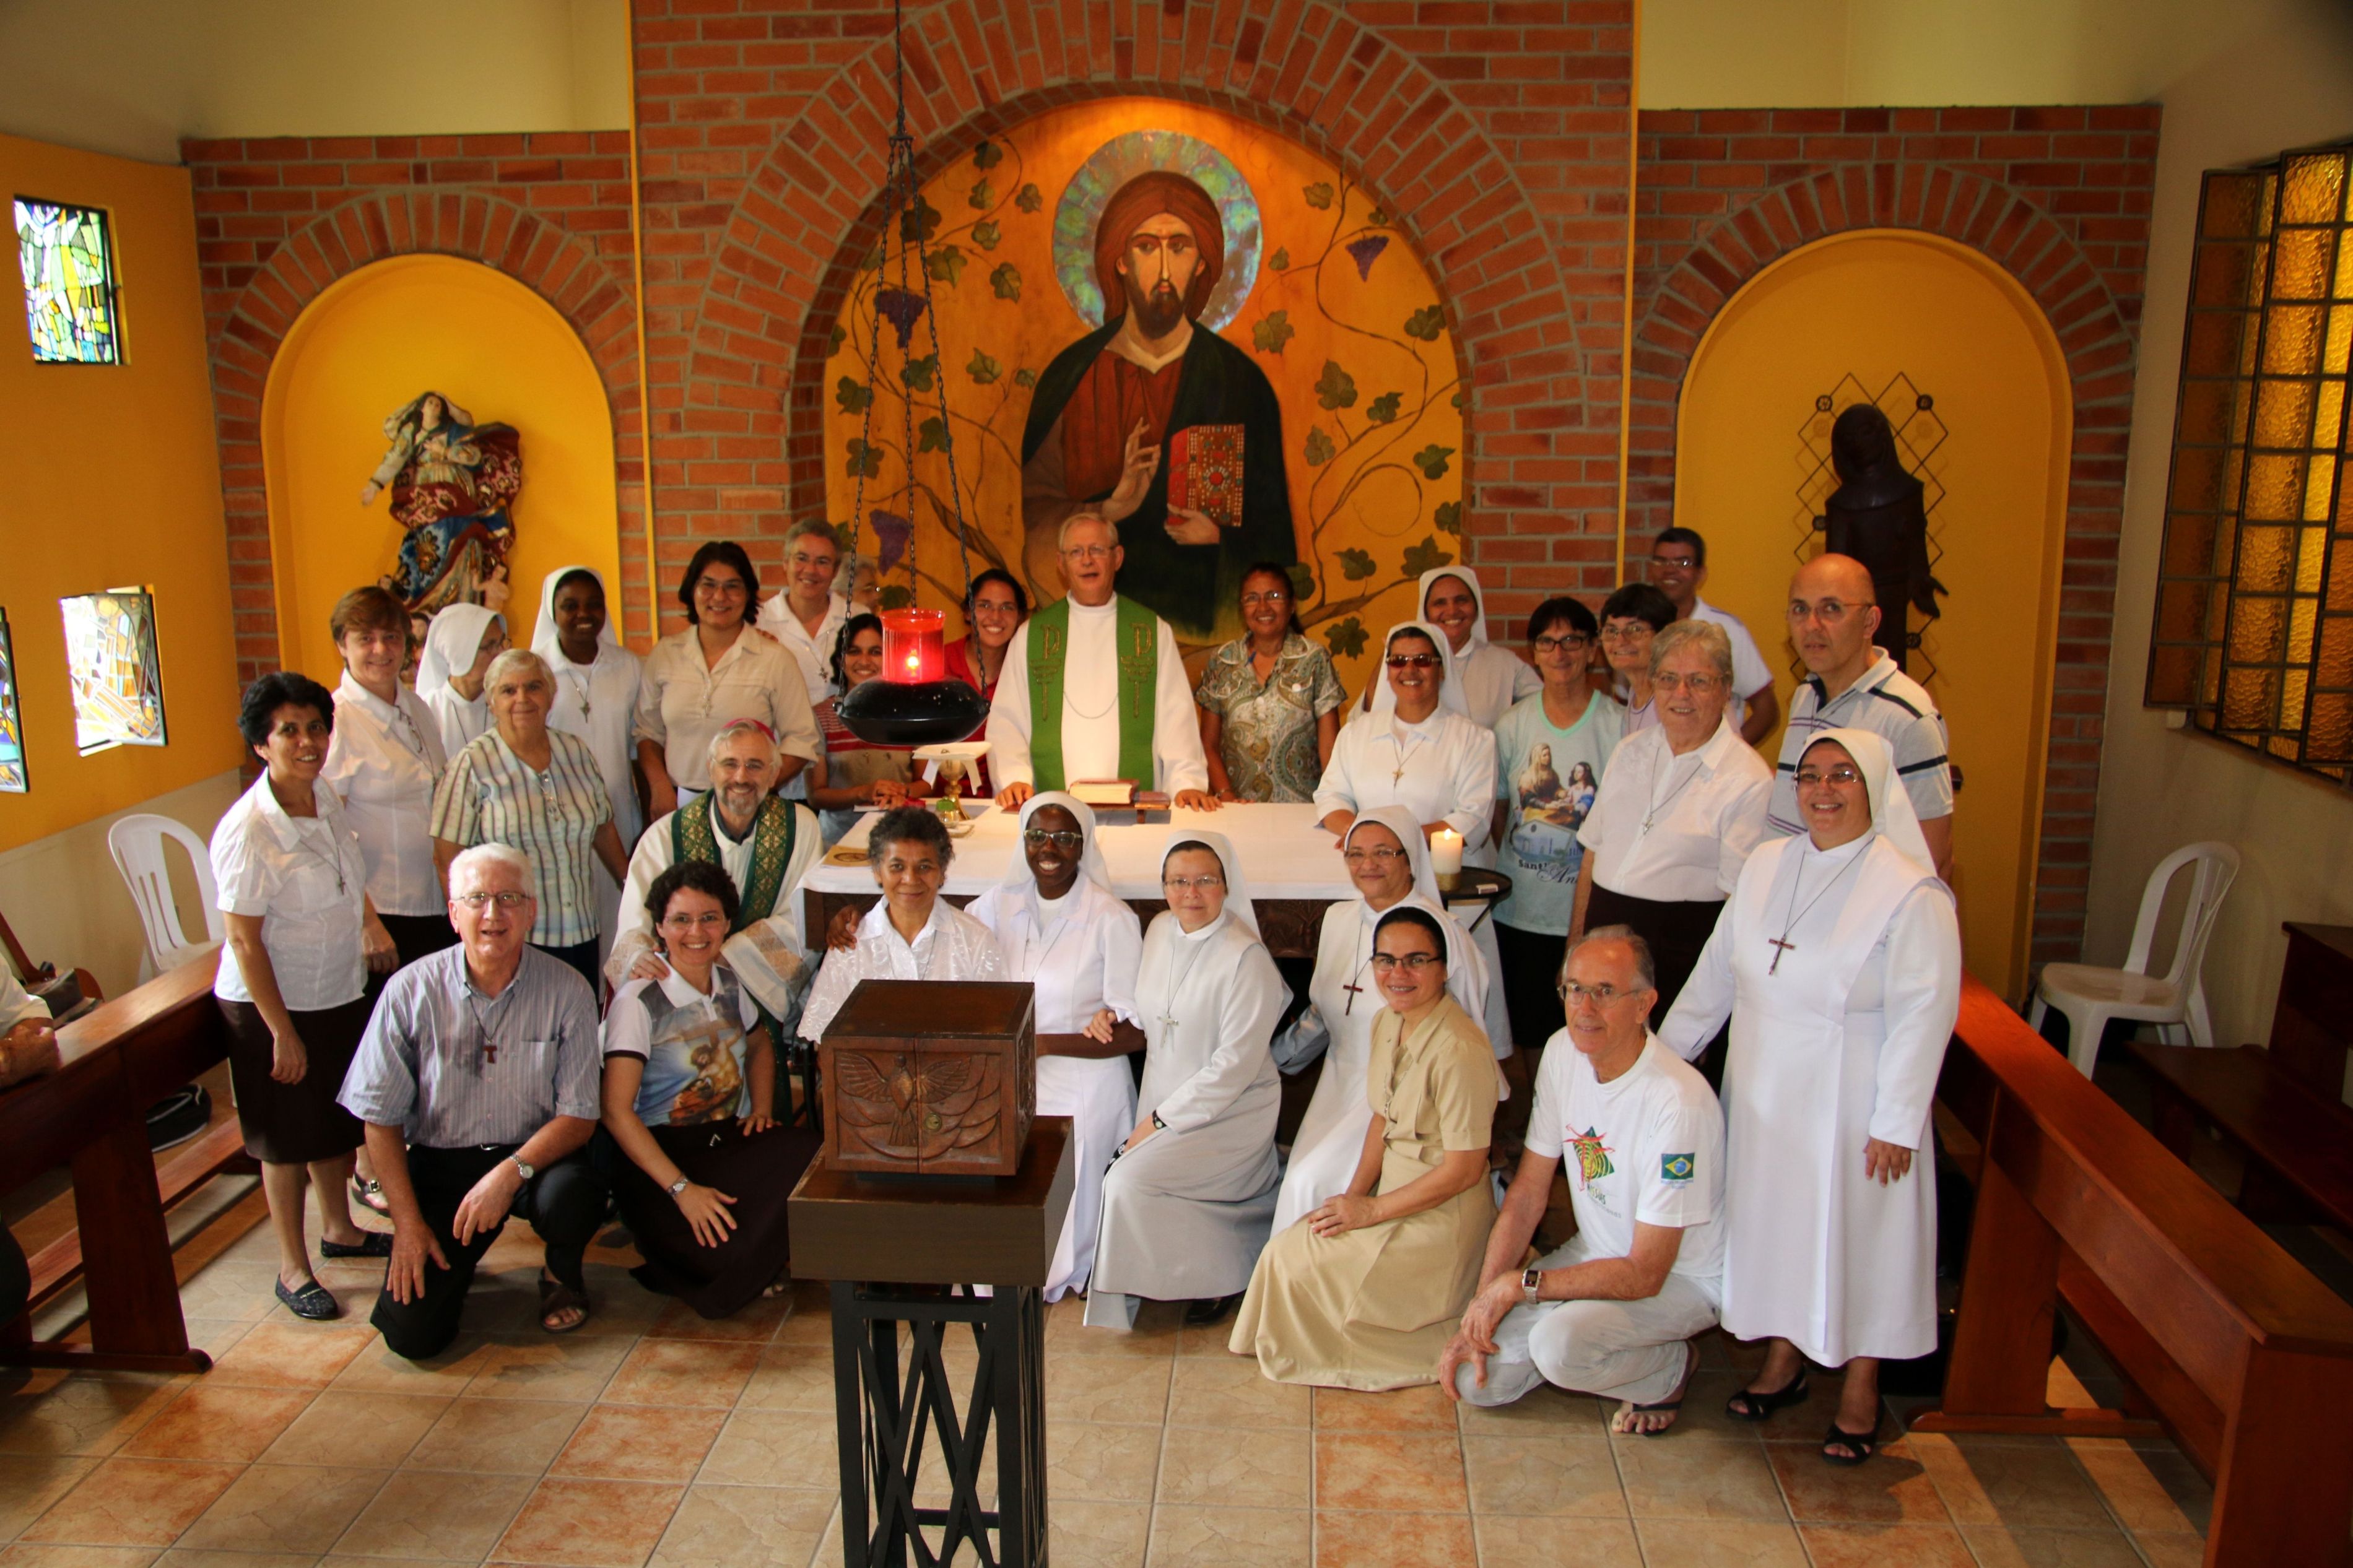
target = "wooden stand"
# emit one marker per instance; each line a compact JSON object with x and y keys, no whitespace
{"x":903,"y":1250}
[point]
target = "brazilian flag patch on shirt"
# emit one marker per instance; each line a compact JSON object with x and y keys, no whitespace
{"x":1676,"y":1167}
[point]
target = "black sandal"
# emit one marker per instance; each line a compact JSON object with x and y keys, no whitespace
{"x":1750,"y":1405}
{"x":314,"y":1302}
{"x":1864,"y":1444}
{"x":373,"y":1244}
{"x":554,"y":1297}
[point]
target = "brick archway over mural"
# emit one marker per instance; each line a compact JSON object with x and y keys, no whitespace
{"x":756,"y":337}
{"x":2098,"y":341}
{"x":249,"y":324}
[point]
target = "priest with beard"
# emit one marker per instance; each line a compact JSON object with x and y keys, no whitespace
{"x":1100,"y":426}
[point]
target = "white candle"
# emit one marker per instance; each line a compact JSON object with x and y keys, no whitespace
{"x":1446,"y":852}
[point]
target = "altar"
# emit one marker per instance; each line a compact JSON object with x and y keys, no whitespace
{"x":1295,"y":870}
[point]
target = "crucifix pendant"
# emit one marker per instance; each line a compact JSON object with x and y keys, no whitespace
{"x":1352,"y":989}
{"x":1775,"y":967}
{"x":1399,"y":774}
{"x":490,"y":1052}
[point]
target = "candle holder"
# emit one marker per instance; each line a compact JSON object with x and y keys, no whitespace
{"x":914,"y":702}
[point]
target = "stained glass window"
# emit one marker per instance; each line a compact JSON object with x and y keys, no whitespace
{"x":115,"y":672}
{"x":67,"y":260}
{"x":2254,"y":635}
{"x":12,"y":722}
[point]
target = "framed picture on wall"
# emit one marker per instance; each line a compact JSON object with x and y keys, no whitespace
{"x":12,"y":722}
{"x":115,"y":672}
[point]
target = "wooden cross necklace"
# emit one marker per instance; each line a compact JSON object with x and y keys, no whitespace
{"x":1782,"y":942}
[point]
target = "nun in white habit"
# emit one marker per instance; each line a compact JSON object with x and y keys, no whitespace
{"x":1342,"y":1005}
{"x":1060,"y":927}
{"x":1839,"y":961}
{"x":596,"y":699}
{"x":1190,"y":1202}
{"x":460,"y":644}
{"x":1482,"y":681}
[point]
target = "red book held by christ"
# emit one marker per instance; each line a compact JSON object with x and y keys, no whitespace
{"x":1205,"y":472}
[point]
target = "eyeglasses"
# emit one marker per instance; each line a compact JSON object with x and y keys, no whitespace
{"x":1572,"y":993}
{"x":1668,"y":563}
{"x":1807,"y":778}
{"x":1697,"y":685}
{"x":1087,"y":551}
{"x":1411,"y":660}
{"x":1829,"y":612}
{"x":504,"y":901}
{"x":723,"y":587}
{"x":1377,"y":857}
{"x":1063,"y":840}
{"x":1414,"y":962}
{"x":1639,"y":631}
{"x":711,"y":918}
{"x":1187,"y":884}
{"x":1570,"y":644}
{"x":1273,"y":597}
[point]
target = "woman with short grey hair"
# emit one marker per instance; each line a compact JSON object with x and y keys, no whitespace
{"x":540,"y":790}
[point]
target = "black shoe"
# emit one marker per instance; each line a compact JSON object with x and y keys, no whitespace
{"x":315,"y":1301}
{"x":1750,"y":1405}
{"x":375,"y":1244}
{"x":1202,"y":1314}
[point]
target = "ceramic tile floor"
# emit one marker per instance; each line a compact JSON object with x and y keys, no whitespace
{"x":654,"y":1438}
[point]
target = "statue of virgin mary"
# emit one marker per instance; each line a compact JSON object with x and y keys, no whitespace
{"x":451,"y":482}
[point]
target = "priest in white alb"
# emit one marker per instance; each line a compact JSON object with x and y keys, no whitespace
{"x":1838,"y":959}
{"x":1094,"y":689}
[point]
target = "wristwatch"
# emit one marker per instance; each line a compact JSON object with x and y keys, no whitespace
{"x":523,"y":1165}
{"x":679,"y":1186}
{"x":1531,"y":1281}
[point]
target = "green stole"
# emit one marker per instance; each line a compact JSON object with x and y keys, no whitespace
{"x":1138,"y":638}
{"x":692,"y":837}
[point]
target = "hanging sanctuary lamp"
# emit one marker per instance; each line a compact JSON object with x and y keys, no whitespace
{"x":915,"y":701}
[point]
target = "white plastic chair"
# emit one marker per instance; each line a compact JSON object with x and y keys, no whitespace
{"x":2175,"y":1002}
{"x":137,"y":844}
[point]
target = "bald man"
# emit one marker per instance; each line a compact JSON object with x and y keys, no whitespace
{"x":1833,"y":614}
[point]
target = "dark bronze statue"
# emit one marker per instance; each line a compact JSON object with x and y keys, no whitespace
{"x":1876,"y":515}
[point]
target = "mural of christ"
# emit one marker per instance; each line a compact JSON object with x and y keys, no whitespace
{"x":1102,"y":425}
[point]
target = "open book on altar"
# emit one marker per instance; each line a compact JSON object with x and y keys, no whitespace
{"x":1205,"y":472}
{"x":1105,"y":791}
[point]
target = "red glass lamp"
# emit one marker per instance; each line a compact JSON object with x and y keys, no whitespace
{"x":914,"y":702}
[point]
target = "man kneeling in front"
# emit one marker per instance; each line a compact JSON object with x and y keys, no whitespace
{"x":1613,"y":1312}
{"x":478,"y":1080}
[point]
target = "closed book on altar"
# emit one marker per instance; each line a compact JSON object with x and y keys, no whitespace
{"x":1205,"y":472}
{"x":1104,"y":792}
{"x":935,"y":1078}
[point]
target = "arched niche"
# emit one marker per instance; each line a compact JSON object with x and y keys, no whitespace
{"x":1857,"y":312}
{"x":368,"y":343}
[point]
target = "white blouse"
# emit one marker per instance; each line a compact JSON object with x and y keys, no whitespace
{"x":951,"y":946}
{"x":383,"y":760}
{"x":1677,"y":829}
{"x":306,"y":879}
{"x":1442,"y":769}
{"x":1081,"y":956}
{"x":683,"y":702}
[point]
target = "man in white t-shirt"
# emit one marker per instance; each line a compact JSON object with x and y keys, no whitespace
{"x":1678,"y":570}
{"x":1612,"y":1312}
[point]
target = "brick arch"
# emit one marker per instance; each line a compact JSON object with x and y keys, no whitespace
{"x":247,"y":336}
{"x":759,"y":331}
{"x":2096,"y":336}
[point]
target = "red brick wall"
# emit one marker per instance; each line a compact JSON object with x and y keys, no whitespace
{"x":1495,"y":131}
{"x":2058,"y":197}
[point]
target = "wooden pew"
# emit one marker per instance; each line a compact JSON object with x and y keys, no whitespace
{"x":2246,"y":1358}
{"x":2299,"y":1144}
{"x":91,"y":1113}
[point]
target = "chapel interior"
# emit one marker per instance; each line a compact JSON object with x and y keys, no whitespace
{"x":1532,"y":283}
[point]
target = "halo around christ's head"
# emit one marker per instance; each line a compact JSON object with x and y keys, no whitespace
{"x":1120,"y":160}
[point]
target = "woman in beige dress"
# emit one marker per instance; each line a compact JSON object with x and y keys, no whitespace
{"x":1366,"y":1290}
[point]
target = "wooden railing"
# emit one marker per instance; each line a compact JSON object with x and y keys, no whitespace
{"x":2240,"y":1355}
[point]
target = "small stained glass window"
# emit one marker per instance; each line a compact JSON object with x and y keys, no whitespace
{"x":2253,"y":634}
{"x":116,"y":673}
{"x":12,"y":722}
{"x":67,"y":256}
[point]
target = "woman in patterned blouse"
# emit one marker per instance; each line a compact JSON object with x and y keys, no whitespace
{"x":1270,"y":699}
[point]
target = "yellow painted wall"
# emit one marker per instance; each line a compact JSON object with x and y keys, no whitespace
{"x":1870,"y":305}
{"x":367,"y":345}
{"x":114,"y":480}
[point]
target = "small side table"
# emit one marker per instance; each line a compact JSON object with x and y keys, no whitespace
{"x":895,"y":1249}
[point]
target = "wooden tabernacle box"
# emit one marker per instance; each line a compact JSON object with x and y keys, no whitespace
{"x":930,"y":1078}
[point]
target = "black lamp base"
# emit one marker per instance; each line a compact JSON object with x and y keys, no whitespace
{"x":917,"y":713}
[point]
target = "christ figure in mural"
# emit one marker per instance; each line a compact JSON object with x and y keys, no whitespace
{"x":1157,"y":423}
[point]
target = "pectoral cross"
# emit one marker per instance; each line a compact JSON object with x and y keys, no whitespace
{"x":1775,"y":968}
{"x":490,"y":1051}
{"x":1354,"y":989}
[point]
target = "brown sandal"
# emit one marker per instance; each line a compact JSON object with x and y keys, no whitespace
{"x":554,"y":1296}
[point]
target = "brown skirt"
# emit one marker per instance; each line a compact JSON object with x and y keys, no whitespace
{"x":295,"y":1123}
{"x":759,"y":1173}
